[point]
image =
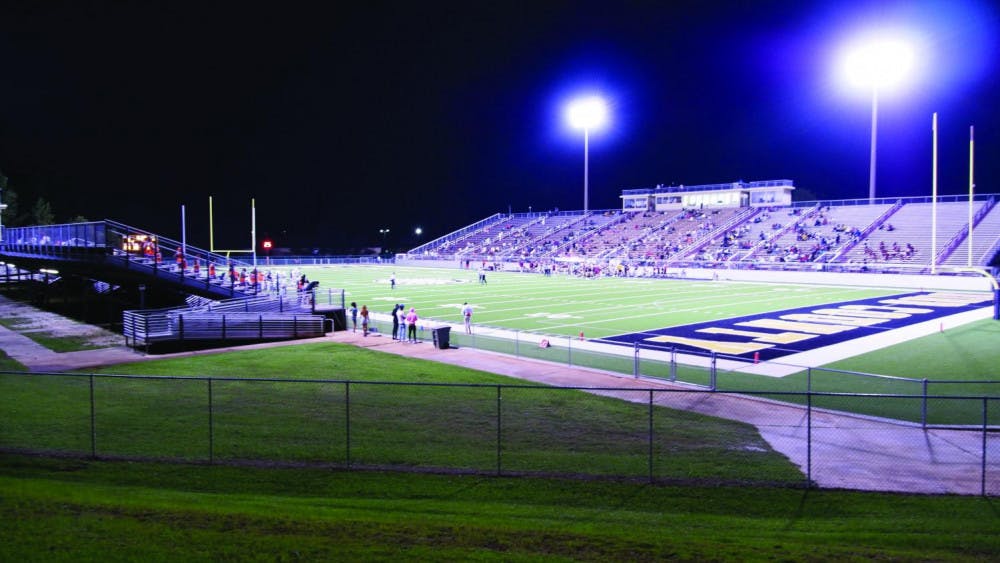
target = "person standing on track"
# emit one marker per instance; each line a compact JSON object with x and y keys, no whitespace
{"x":467,"y":317}
{"x":364,"y":319}
{"x":392,"y":281}
{"x":354,"y":315}
{"x":401,"y":319}
{"x":411,"y":325}
{"x":395,"y":321}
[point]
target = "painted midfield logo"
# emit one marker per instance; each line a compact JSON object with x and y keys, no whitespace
{"x":774,"y":335}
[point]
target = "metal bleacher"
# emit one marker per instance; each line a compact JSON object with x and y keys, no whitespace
{"x":113,"y":254}
{"x":261,"y":318}
{"x":101,"y":250}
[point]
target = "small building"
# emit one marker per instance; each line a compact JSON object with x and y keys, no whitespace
{"x":734,"y":194}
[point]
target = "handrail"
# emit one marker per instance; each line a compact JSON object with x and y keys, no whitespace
{"x":956,"y":240}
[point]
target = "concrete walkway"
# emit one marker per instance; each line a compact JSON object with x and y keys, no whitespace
{"x":847,"y":451}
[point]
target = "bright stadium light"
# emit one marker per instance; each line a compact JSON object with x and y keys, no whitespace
{"x":587,"y":113}
{"x":879,"y":65}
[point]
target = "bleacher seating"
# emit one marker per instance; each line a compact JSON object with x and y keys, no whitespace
{"x":905,"y":236}
{"x":849,"y":232}
{"x":818,"y":235}
{"x":985,"y":236}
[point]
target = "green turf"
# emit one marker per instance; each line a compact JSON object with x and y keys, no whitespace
{"x":99,"y":511}
{"x":10,"y":364}
{"x":563,"y":305}
{"x":537,"y":429}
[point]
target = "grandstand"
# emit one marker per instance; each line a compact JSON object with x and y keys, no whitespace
{"x":735,"y":225}
{"x":106,"y":258}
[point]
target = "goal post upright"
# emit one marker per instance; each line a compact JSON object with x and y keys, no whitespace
{"x":253,"y":232}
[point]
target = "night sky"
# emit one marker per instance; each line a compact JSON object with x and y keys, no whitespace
{"x":344,"y":120}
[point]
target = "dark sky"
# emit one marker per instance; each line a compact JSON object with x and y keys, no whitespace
{"x":344,"y":120}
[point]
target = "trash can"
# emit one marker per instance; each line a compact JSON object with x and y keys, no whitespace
{"x":441,"y":336}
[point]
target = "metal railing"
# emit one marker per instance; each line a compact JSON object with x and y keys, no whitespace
{"x":279,"y":316}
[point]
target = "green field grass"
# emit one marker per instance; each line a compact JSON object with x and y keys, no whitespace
{"x":72,"y":510}
{"x":604,"y":307}
{"x":563,"y":305}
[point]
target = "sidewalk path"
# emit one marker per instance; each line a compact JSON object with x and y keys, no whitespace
{"x":847,"y":451}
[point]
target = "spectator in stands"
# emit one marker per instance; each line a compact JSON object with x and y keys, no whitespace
{"x":354,"y":316}
{"x":364,"y":319}
{"x":411,"y":325}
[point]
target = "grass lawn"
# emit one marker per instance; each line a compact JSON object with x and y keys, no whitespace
{"x":10,"y":364}
{"x":56,"y":343}
{"x":56,"y":509}
{"x":460,"y":419}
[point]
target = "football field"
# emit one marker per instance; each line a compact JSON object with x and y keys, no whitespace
{"x":685,"y":313}
{"x":564,"y":305}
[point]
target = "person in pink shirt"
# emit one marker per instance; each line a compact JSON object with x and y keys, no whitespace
{"x":411,"y":325}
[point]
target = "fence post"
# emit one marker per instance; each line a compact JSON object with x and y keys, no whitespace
{"x":569,"y":350}
{"x":93,"y":421}
{"x":712,"y":373}
{"x":673,"y":364}
{"x":223,"y":328}
{"x":347,"y":419}
{"x":260,"y":326}
{"x":809,"y":379}
{"x":982,"y":469}
{"x":650,"y":436}
{"x":499,"y":428}
{"x":635,"y":361}
{"x":923,"y":404}
{"x":517,"y":344}
{"x":180,"y":326}
{"x":809,"y":443}
{"x":211,"y":426}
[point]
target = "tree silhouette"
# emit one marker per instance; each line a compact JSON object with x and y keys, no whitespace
{"x":41,"y":213}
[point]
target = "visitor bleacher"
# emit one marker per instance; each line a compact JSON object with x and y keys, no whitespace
{"x":985,"y":238}
{"x":905,"y":236}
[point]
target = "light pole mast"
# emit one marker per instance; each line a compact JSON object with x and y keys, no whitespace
{"x":587,"y":113}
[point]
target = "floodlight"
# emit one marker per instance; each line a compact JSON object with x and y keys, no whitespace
{"x":882,"y":64}
{"x":877,"y":65}
{"x":587,"y":113}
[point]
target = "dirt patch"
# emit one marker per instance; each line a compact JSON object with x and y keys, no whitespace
{"x":24,"y":318}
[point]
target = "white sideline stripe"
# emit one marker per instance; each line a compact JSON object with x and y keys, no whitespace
{"x":865,"y":344}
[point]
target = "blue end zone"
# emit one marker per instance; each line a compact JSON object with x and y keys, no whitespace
{"x":782,"y":333}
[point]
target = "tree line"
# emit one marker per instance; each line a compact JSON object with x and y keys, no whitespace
{"x":38,"y":213}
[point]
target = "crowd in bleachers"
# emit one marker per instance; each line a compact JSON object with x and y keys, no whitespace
{"x":647,"y":242}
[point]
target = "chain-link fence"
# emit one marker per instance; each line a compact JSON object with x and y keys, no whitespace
{"x":721,"y":372}
{"x":655,"y":434}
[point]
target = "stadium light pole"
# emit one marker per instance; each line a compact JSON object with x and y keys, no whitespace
{"x":587,"y":113}
{"x":879,"y":65}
